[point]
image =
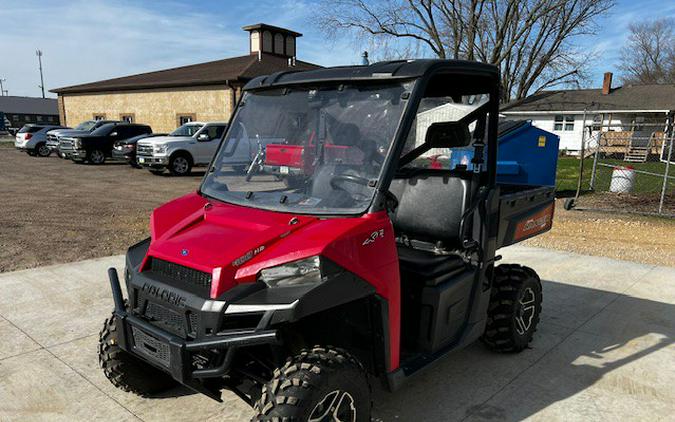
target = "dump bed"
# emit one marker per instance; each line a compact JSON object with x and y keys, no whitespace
{"x":524,"y":212}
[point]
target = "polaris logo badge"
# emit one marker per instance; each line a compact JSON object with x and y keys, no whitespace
{"x":184,"y":252}
{"x":164,"y":294}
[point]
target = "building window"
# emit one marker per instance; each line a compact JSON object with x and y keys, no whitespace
{"x":50,"y":119}
{"x":267,"y":42}
{"x":183,"y":118}
{"x":569,"y":122}
{"x":563,"y":122}
{"x":99,"y":116}
{"x":39,"y":118}
{"x":127,"y":117}
{"x":15,"y":118}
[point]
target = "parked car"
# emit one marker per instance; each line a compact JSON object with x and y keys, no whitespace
{"x":96,"y":146}
{"x":192,"y":144}
{"x":32,"y":138}
{"x":126,"y":149}
{"x":83,"y":128}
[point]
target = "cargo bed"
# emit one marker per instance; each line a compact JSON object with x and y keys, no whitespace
{"x":524,"y":212}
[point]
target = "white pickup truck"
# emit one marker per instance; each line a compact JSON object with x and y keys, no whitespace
{"x":192,"y":144}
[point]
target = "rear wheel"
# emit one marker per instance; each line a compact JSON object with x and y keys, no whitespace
{"x":43,"y":150}
{"x":321,"y":384}
{"x":514,"y":308}
{"x":96,"y":156}
{"x":180,"y":164}
{"x":126,"y":371}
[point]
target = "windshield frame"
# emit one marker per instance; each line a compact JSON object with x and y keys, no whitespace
{"x":387,"y":159}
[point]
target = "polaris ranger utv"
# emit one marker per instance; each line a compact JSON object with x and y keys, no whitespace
{"x":296,"y":298}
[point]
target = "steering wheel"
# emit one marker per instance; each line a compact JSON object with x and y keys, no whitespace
{"x":335,"y":182}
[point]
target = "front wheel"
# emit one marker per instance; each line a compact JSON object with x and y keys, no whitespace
{"x":180,"y":165}
{"x":96,"y":156}
{"x":515,"y":306}
{"x":126,"y":371}
{"x":321,"y":384}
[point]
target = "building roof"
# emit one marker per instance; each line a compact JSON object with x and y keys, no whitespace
{"x":264,"y":26}
{"x":626,"y":98}
{"x":235,"y":69}
{"x":28,"y":105}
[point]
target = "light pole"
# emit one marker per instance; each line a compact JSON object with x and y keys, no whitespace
{"x":2,"y":91}
{"x":38,"y":53}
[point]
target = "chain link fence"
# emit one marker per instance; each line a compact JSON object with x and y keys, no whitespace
{"x":627,"y":170}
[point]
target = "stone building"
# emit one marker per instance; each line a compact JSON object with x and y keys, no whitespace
{"x":168,"y":98}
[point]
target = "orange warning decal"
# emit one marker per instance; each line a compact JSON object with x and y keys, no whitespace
{"x":537,"y":223}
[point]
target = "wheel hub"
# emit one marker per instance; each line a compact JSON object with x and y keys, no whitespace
{"x":525,"y":312}
{"x":337,"y":406}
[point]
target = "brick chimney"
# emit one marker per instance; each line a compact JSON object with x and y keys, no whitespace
{"x":607,"y":83}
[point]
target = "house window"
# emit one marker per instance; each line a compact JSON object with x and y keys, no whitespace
{"x":183,"y":118}
{"x":569,"y":122}
{"x":99,"y":116}
{"x":563,"y":122}
{"x":127,"y":117}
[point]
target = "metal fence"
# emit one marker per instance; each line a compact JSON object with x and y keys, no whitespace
{"x":627,"y":170}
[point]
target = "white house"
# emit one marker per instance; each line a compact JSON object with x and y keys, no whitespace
{"x":630,"y":108}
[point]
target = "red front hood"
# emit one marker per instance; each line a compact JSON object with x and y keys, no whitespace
{"x":232,"y":242}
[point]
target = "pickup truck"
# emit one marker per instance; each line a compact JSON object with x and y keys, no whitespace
{"x":83,"y":128}
{"x":192,"y":144}
{"x":95,"y":147}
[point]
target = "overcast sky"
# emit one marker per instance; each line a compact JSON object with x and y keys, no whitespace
{"x":89,"y":40}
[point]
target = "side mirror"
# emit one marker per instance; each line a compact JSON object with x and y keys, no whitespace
{"x":202,"y":137}
{"x":448,"y":135}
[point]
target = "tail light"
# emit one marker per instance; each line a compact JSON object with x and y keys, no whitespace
{"x":28,"y":136}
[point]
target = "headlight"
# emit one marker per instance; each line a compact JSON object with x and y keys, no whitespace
{"x":159,"y":149}
{"x":77,"y":143}
{"x":296,"y":273}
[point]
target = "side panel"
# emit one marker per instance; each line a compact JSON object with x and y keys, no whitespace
{"x":525,"y":214}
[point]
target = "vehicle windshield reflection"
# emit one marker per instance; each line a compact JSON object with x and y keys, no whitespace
{"x":307,"y":150}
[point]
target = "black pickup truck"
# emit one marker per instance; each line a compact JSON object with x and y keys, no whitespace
{"x":98,"y":145}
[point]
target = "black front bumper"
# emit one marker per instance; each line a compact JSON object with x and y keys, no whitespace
{"x":174,"y":354}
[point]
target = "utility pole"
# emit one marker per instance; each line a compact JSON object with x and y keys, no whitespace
{"x":2,"y":91}
{"x":38,"y":53}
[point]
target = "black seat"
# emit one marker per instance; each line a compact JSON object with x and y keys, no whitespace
{"x":431,"y":204}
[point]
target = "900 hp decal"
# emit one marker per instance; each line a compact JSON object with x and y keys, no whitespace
{"x":248,"y":256}
{"x":373,"y":237}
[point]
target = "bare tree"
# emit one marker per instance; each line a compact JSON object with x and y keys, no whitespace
{"x":531,"y":40}
{"x":649,"y":54}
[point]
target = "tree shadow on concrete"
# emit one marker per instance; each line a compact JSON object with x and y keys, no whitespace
{"x":584,"y":335}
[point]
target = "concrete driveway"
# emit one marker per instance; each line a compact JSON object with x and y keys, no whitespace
{"x":604,"y":351}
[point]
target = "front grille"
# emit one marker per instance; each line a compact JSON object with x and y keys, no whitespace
{"x":165,"y":318}
{"x":180,"y":272}
{"x":66,"y":145}
{"x":143,"y":149}
{"x":149,"y":346}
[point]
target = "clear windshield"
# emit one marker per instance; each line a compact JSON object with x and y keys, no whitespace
{"x":87,"y":125}
{"x":186,"y":130}
{"x":307,"y":150}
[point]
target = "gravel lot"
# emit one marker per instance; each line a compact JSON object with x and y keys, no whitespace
{"x":54,"y":211}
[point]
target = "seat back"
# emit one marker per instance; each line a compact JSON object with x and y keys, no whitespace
{"x":431,"y":205}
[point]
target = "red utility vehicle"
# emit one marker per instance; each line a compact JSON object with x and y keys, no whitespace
{"x":376,"y":264}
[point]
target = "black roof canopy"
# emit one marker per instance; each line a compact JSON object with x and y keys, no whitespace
{"x":391,"y":70}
